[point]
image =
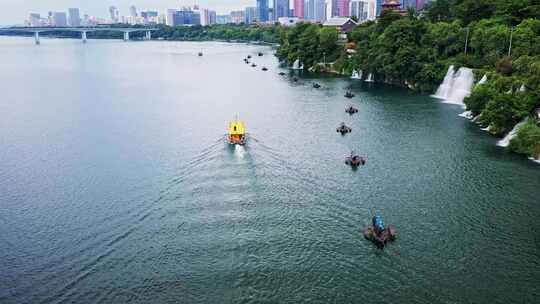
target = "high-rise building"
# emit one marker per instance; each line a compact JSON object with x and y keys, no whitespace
{"x":319,"y":13}
{"x":281,"y":9}
{"x":405,"y":4}
{"x":237,"y":17}
{"x":262,"y":10}
{"x":115,"y":14}
{"x":299,"y":8}
{"x":34,"y":20}
{"x":378,"y":7}
{"x":59,"y":19}
{"x":74,"y":17}
{"x":223,"y":19}
{"x":208,"y":17}
{"x":250,"y":14}
{"x":420,"y":4}
{"x":364,"y":10}
{"x":133,"y":11}
{"x":340,"y":8}
{"x":309,"y":9}
{"x":186,"y":16}
{"x":169,"y":19}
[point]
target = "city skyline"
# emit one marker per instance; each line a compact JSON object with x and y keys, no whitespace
{"x":13,"y":12}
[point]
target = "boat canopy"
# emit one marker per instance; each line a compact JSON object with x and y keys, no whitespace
{"x":237,"y":128}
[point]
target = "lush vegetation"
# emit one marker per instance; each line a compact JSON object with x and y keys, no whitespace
{"x":229,"y":32}
{"x":415,"y":50}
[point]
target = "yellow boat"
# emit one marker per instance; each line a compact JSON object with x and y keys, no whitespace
{"x":237,"y":133}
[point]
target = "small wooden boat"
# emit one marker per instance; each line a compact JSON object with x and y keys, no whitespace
{"x":281,"y":73}
{"x":351,"y":110}
{"x":354,"y":160}
{"x":264,"y":69}
{"x":253,"y":65}
{"x":379,"y":234}
{"x":259,"y":54}
{"x":349,"y":94}
{"x":343,"y":129}
{"x":249,"y":56}
{"x":295,"y":79}
{"x":200,"y":54}
{"x":237,"y":133}
{"x":316,"y":85}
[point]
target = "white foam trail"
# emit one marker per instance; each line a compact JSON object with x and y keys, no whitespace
{"x":456,"y":86}
{"x":485,"y":129}
{"x":506,"y":140}
{"x":239,"y":151}
{"x":369,"y":78}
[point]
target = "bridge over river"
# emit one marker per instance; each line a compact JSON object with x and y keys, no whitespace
{"x":82,"y":30}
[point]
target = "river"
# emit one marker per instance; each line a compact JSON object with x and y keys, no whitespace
{"x":116,"y":184}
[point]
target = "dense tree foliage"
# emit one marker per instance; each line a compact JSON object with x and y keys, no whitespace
{"x":311,"y":44}
{"x":229,"y":32}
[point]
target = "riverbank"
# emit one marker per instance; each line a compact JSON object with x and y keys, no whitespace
{"x":415,"y":51}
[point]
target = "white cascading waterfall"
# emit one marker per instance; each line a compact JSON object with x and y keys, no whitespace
{"x":467,"y":114}
{"x":483,"y":80}
{"x":506,"y":140}
{"x":456,"y":86}
{"x":296,"y":65}
{"x":522,"y":88}
{"x":369,"y":78}
{"x":356,"y":75}
{"x":446,"y":85}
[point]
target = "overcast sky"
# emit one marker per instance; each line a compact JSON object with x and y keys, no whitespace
{"x":16,"y":11}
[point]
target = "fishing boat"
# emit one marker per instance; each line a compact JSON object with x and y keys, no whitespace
{"x":200,"y":54}
{"x":253,"y":65}
{"x":349,"y":94}
{"x":378,"y":233}
{"x":354,"y":160}
{"x":237,"y":133}
{"x":281,"y":73}
{"x":316,"y":85}
{"x":264,"y":68}
{"x":343,"y":129}
{"x":351,"y":110}
{"x":260,"y":54}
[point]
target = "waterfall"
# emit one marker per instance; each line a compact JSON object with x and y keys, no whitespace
{"x":456,"y":86}
{"x":467,"y":114}
{"x":483,"y":80}
{"x":506,"y":140}
{"x":444,"y":88}
{"x":356,"y":75}
{"x":522,"y":88}
{"x":369,"y":78}
{"x":296,"y":65}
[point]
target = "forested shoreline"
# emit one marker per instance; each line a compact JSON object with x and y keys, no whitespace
{"x":414,"y":50}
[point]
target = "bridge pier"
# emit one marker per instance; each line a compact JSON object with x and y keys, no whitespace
{"x":83,"y":36}
{"x":126,"y":36}
{"x":36,"y":37}
{"x":148,"y":35}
